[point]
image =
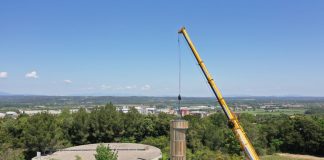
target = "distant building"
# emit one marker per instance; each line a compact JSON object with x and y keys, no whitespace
{"x":76,"y":110}
{"x":33,"y":112}
{"x":125,"y":110}
{"x":245,"y":107}
{"x":56,"y":112}
{"x":150,"y":110}
{"x":2,"y":115}
{"x":139,"y":109}
{"x":30,"y":112}
{"x":11,"y":114}
{"x":125,"y":151}
{"x":199,"y":107}
{"x":184,"y":111}
{"x":199,"y":113}
{"x":293,"y":105}
{"x":163,"y":110}
{"x":173,"y":112}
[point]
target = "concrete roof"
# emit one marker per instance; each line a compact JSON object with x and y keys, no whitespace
{"x":125,"y":151}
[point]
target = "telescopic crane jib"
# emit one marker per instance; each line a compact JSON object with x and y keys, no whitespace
{"x":233,"y":122}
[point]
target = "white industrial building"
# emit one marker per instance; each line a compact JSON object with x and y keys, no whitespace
{"x":140,"y":108}
{"x":150,"y":110}
{"x":33,"y":112}
{"x":11,"y":114}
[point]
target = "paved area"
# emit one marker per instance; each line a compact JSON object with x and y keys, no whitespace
{"x":125,"y":151}
{"x":299,"y":156}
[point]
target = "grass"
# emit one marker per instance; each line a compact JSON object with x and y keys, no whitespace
{"x":277,"y":157}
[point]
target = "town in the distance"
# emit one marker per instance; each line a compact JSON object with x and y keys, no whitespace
{"x":12,"y":106}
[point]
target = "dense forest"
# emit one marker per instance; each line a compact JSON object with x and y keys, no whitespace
{"x":207,"y":137}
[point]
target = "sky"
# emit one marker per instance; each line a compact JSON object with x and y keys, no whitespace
{"x":130,"y":48}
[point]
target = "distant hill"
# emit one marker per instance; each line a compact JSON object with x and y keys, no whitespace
{"x":92,"y":101}
{"x":4,"y":94}
{"x":31,"y":100}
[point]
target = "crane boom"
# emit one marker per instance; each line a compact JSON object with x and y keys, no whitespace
{"x":234,"y":124}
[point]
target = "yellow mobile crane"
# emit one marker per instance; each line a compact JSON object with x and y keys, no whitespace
{"x":234,"y":124}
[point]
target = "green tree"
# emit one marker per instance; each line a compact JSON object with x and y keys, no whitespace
{"x":133,"y":124}
{"x":42,"y":133}
{"x":161,"y":142}
{"x":202,"y":154}
{"x":77,"y":157}
{"x":78,"y":130}
{"x":65,"y":120}
{"x":7,"y":153}
{"x":105,"y":153}
{"x":162,"y":124}
{"x":105,"y":124}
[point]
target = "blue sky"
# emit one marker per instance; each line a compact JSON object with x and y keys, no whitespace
{"x":259,"y":48}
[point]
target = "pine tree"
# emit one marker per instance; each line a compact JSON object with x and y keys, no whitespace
{"x":105,"y":153}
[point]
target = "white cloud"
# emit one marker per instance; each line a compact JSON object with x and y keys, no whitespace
{"x":146,"y":87}
{"x":105,"y":87}
{"x":67,"y":81}
{"x":3,"y":74}
{"x":125,"y":88}
{"x":32,"y":74}
{"x":131,"y":87}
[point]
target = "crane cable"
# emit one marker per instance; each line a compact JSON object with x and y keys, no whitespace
{"x":179,"y":74}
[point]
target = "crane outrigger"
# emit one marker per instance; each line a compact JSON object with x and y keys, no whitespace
{"x":233,"y":122}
